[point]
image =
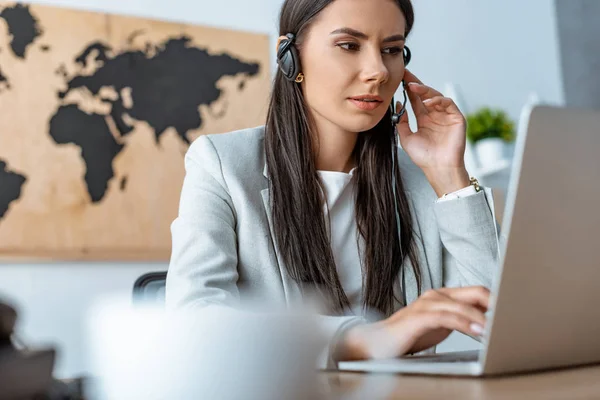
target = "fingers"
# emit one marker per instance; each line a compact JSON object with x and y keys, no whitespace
{"x":423,"y":91}
{"x":442,"y":301}
{"x":410,"y":77}
{"x":463,"y":310}
{"x":456,"y":322}
{"x":460,"y":311}
{"x":441,"y":104}
{"x":430,"y":319}
{"x":415,"y":85}
{"x":474,"y":295}
{"x":416,"y":102}
{"x":420,"y":95}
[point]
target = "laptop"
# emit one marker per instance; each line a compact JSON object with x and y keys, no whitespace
{"x":545,"y":306}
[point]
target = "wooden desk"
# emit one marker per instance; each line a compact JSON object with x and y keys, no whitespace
{"x":572,"y":384}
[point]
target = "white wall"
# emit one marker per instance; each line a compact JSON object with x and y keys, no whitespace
{"x":497,"y":52}
{"x":486,"y":47}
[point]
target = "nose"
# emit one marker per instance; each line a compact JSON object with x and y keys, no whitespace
{"x":374,"y":69}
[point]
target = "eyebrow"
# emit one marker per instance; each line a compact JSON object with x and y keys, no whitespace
{"x":360,"y":35}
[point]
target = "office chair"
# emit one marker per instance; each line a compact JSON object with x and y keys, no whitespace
{"x":150,"y":288}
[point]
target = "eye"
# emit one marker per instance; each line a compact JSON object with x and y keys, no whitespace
{"x":355,"y":47}
{"x":392,"y":50}
{"x":349,"y":46}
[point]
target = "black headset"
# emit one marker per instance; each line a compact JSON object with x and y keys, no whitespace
{"x":289,"y":64}
{"x":287,"y":57}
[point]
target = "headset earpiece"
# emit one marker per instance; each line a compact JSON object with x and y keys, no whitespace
{"x":407,"y":55}
{"x":287,"y":57}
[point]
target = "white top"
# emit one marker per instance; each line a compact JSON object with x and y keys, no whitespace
{"x":339,"y":188}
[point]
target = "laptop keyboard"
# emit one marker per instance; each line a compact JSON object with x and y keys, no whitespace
{"x":459,"y":356}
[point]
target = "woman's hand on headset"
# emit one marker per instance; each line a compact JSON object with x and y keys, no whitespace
{"x":438,"y":145}
{"x":420,"y":325}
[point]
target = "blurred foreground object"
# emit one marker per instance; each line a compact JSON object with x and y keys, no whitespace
{"x":213,"y":353}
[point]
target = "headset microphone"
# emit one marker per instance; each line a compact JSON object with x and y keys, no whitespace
{"x":397,"y":116}
{"x":395,"y":120}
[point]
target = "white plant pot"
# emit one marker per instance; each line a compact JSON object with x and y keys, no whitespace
{"x":490,"y":152}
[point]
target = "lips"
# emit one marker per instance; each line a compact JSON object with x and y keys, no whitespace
{"x":366,"y":102}
{"x":367,"y":97}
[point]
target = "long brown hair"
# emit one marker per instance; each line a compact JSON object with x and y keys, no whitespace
{"x":296,"y":199}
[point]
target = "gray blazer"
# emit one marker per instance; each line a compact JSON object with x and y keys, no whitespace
{"x":223,"y":237}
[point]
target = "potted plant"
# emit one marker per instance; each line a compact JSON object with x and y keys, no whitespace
{"x":489,"y":131}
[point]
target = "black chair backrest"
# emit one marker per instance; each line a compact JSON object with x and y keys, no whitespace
{"x":150,"y":288}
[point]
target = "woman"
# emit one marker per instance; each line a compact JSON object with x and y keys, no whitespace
{"x":307,"y":203}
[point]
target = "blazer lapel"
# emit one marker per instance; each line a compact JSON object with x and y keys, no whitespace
{"x":290,"y":287}
{"x":412,"y":292}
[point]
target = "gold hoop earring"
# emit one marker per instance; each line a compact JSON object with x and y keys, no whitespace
{"x":300,"y":77}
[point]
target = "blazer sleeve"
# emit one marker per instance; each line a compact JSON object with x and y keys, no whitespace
{"x":469,"y":235}
{"x":203,"y":264}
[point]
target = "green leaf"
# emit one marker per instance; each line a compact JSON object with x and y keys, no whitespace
{"x":488,"y":123}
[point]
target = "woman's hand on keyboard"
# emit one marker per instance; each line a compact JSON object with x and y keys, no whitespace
{"x":420,"y":325}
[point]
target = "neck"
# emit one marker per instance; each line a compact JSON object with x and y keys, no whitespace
{"x":334,"y":148}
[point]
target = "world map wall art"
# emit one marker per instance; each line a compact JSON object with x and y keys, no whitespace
{"x":96,"y":114}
